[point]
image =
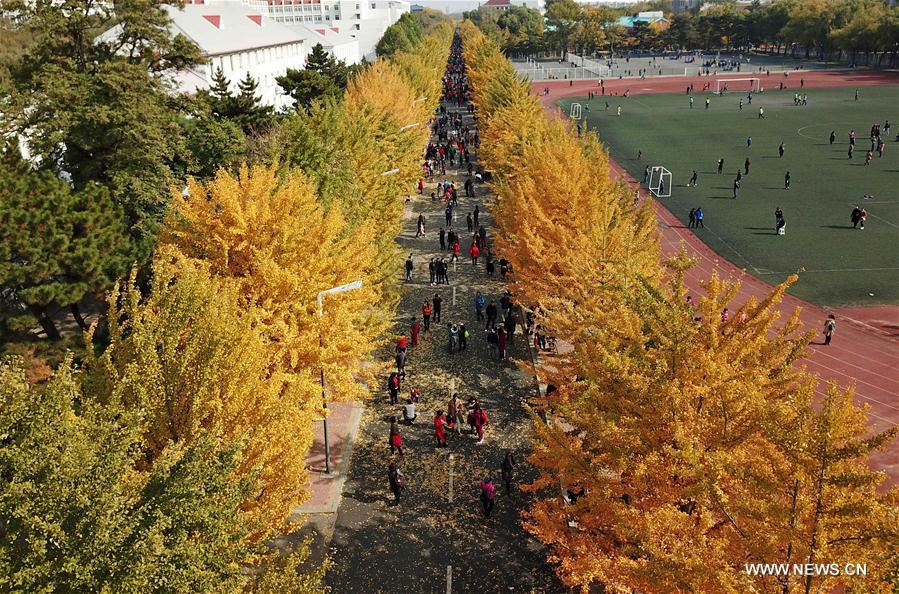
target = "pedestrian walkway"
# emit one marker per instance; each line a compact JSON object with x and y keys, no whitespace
{"x":437,"y":535}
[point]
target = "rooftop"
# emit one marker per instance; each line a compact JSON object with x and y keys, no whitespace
{"x":228,"y":27}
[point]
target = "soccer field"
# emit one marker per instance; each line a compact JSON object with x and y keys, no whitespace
{"x":838,"y":265}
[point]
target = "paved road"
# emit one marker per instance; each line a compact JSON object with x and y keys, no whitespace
{"x":378,"y":547}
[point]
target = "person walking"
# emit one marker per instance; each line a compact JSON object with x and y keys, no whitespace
{"x":736,"y":187}
{"x":488,"y":495}
{"x":469,"y":222}
{"x":455,"y":412}
{"x":448,"y":214}
{"x":474,"y":252}
{"x":463,"y":338}
{"x":787,"y":181}
{"x":778,"y":216}
{"x":426,"y":315}
{"x":509,"y":324}
{"x":699,"y":217}
{"x":479,"y":303}
{"x":393,"y":387}
{"x":480,"y":421}
{"x":746,"y":165}
{"x":749,"y":142}
{"x":477,"y":214}
{"x":396,"y":437}
{"x":720,"y":165}
{"x":442,"y":236}
{"x":456,"y":250}
{"x":830,"y":326}
{"x":781,"y":150}
{"x":491,"y":314}
{"x":507,"y":469}
{"x":397,"y":482}
{"x":833,"y":136}
{"x":501,"y":342}
{"x":415,"y":329}
{"x":761,"y":113}
{"x":438,"y":306}
{"x":693,"y":179}
{"x":691,"y":219}
{"x":440,"y":429}
{"x":409,"y":267}
{"x":400,"y":358}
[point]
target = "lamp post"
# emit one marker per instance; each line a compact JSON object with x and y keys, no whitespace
{"x":341,"y":289}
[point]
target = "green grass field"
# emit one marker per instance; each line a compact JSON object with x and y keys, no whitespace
{"x":841,"y":266}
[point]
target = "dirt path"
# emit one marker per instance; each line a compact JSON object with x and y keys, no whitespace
{"x":433,"y":536}
{"x":865,"y":349}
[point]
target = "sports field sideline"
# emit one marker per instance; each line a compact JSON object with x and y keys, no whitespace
{"x":840,"y":266}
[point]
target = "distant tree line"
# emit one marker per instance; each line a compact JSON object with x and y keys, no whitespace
{"x":863,"y":32}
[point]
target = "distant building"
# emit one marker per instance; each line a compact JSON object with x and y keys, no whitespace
{"x":497,"y":7}
{"x":362,"y":20}
{"x":240,"y":41}
{"x":681,"y":6}
{"x":653,"y":18}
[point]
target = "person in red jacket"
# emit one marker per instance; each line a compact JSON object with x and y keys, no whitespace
{"x":480,"y":421}
{"x":426,"y":314}
{"x":474,"y":252}
{"x":440,"y":429}
{"x":456,"y":250}
{"x":415,"y":329}
{"x":421,"y":186}
{"x":396,"y":438}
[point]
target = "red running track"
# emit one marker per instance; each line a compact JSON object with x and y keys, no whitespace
{"x":865,"y":349}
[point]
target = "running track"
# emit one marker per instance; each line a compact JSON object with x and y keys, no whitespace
{"x":865,"y":349}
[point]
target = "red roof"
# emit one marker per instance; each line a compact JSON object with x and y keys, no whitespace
{"x":215,"y":19}
{"x":256,"y":18}
{"x":497,"y":3}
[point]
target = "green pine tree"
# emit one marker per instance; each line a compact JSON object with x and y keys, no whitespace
{"x":323,"y":76}
{"x":57,"y":244}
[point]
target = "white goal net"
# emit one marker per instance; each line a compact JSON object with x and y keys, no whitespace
{"x":575,"y":112}
{"x":660,"y":182}
{"x":739,"y":85}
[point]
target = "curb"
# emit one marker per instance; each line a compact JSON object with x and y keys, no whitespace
{"x":336,"y":489}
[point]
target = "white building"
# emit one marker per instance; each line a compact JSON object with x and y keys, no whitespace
{"x":240,"y":41}
{"x":362,"y":20}
{"x":263,"y":38}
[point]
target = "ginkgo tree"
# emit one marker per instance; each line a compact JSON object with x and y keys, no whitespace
{"x":189,"y":357}
{"x":682,"y":442}
{"x":271,"y":237}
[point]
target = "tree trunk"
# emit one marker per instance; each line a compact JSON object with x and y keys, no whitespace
{"x":76,"y":313}
{"x":819,"y":511}
{"x":45,"y":321}
{"x":795,"y":495}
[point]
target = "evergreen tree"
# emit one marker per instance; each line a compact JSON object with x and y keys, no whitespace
{"x":97,"y":108}
{"x":322,"y":77}
{"x":56,"y":244}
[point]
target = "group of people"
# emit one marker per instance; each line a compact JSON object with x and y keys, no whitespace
{"x":454,"y":139}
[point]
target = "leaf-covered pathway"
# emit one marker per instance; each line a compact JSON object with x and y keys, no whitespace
{"x":378,"y":547}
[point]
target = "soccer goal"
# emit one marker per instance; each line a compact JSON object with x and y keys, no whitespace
{"x":660,"y":182}
{"x":737,"y":84}
{"x":575,"y":112}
